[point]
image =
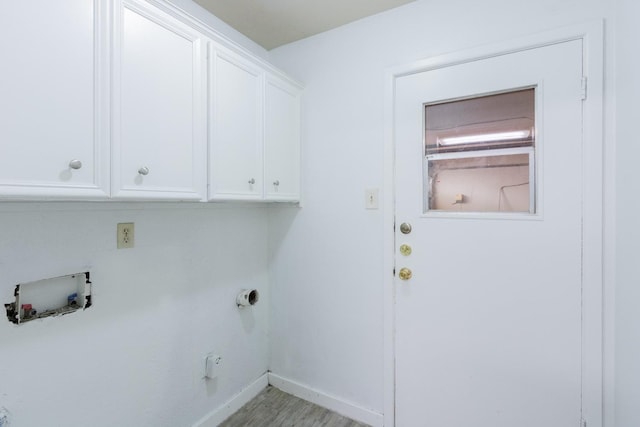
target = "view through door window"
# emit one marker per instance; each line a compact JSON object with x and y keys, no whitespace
{"x":480,"y":154}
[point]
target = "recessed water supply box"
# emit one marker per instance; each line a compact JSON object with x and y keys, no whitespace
{"x":50,"y":297}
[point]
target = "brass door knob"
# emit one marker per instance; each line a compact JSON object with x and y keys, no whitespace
{"x":405,"y":250}
{"x":405,"y":273}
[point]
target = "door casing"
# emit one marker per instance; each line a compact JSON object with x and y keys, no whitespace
{"x":592,"y":35}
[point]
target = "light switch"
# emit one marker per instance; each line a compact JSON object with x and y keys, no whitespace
{"x":371,"y":198}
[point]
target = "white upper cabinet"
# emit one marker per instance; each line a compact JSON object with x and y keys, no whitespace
{"x":254,"y":131}
{"x":136,"y":100}
{"x":53,"y":100}
{"x":159,"y":127}
{"x":282,"y":140}
{"x":236,"y":127}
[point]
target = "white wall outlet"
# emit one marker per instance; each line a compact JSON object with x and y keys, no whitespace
{"x":371,"y":198}
{"x":125,"y":235}
{"x":212,"y":365}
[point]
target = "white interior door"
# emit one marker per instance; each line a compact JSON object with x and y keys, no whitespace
{"x":489,"y":326}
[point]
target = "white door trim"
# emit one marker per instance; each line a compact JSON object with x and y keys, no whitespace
{"x":592,"y":35}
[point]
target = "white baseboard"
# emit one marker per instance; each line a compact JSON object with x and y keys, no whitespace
{"x":326,"y":401}
{"x":217,"y":416}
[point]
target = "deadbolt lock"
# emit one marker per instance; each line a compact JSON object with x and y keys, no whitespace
{"x":405,"y":273}
{"x":405,"y":250}
{"x":405,"y":228}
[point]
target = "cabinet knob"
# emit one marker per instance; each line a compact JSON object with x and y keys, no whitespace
{"x":143,"y":170}
{"x":276,"y":182}
{"x":75,"y":164}
{"x":252,"y":181}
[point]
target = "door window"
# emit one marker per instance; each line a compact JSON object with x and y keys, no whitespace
{"x":480,"y":154}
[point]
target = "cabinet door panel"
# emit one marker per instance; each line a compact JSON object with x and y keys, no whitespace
{"x":236,"y":128}
{"x":160,"y":139}
{"x":282,"y":141}
{"x":50,"y":111}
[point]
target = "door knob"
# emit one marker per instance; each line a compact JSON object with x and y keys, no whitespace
{"x":143,"y":170}
{"x":252,"y":181}
{"x":276,"y":182}
{"x":405,"y":273}
{"x":405,"y":228}
{"x":405,"y":250}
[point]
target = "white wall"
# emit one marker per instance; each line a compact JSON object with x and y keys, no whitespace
{"x":628,"y":206}
{"x":135,"y":357}
{"x":327,"y":277}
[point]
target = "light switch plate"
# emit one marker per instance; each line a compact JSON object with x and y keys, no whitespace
{"x":371,"y":198}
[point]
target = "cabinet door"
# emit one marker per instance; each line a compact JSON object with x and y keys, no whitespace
{"x":159,"y":141}
{"x":53,"y":100}
{"x":282,"y":141}
{"x":236,"y":127}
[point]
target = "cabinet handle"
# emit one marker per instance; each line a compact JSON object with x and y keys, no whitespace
{"x":75,"y":164}
{"x":276,"y":182}
{"x":252,"y":181}
{"x":143,"y":170}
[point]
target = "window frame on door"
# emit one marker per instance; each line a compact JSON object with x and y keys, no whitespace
{"x":536,"y":161}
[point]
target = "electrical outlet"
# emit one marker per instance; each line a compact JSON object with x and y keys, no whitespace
{"x":212,"y":365}
{"x":125,"y":235}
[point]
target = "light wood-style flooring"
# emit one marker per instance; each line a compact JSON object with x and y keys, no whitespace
{"x":275,"y":408}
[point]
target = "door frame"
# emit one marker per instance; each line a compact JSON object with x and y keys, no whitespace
{"x":593,"y":368}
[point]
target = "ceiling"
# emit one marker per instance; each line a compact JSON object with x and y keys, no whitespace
{"x":272,"y":23}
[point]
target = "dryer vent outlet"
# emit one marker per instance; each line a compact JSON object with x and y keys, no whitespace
{"x":247,"y":297}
